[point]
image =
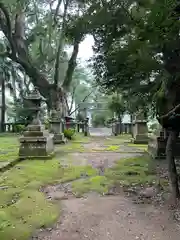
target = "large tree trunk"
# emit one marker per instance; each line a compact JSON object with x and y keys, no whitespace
{"x":170,"y":152}
{"x":131,"y":120}
{"x":3,"y":105}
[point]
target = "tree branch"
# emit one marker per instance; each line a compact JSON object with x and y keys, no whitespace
{"x":72,"y":98}
{"x":169,"y":113}
{"x":82,"y":101}
{"x":71,"y":65}
{"x":61,"y":38}
{"x":5,"y":25}
{"x":57,"y":11}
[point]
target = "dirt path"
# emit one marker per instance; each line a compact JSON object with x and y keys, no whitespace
{"x":109,"y":217}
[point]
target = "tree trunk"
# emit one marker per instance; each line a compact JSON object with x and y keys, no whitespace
{"x":120,"y":125}
{"x":170,"y":157}
{"x":3,"y":106}
{"x":131,"y":119}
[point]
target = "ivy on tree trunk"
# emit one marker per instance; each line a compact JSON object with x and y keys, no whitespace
{"x":170,"y":156}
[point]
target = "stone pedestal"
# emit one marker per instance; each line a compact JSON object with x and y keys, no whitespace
{"x":86,"y":127}
{"x":78,"y":127}
{"x":36,"y":143}
{"x":56,"y":127}
{"x":140,"y":134}
{"x":157,"y":146}
{"x":115,"y":128}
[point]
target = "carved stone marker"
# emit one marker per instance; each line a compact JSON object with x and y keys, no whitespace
{"x":140,"y":131}
{"x":36,"y":142}
{"x":157,"y":146}
{"x":56,"y":127}
{"x":86,"y":127}
{"x":115,"y":127}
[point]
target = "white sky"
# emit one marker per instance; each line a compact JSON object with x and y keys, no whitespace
{"x":85,"y":48}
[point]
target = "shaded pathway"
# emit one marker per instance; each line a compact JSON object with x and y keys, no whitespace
{"x":97,"y":217}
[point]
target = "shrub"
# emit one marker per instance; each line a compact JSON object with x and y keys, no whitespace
{"x":19,"y":128}
{"x":46,"y":124}
{"x":68,"y":133}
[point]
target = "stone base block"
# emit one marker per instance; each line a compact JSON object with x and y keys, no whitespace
{"x":140,"y":139}
{"x":37,"y":148}
{"x":157,"y":148}
{"x":59,"y":138}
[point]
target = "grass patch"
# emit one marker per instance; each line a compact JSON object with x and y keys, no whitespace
{"x":126,"y":172}
{"x":79,"y":137}
{"x":23,"y":208}
{"x":117,"y":139}
{"x":132,"y":171}
{"x":112,"y":148}
{"x":72,"y":147}
{"x":9,"y":148}
{"x":97,"y":184}
{"x":139,"y":146}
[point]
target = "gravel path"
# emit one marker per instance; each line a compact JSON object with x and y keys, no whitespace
{"x":108,"y":217}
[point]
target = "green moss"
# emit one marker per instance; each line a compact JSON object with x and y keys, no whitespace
{"x":9,"y":147}
{"x":126,"y":172}
{"x":139,"y":146}
{"x":98,"y":184}
{"x":72,"y":147}
{"x":75,"y":172}
{"x":112,"y":148}
{"x":117,"y":139}
{"x":23,"y":208}
{"x":32,"y":210}
{"x":79,"y":137}
{"x":132,"y":171}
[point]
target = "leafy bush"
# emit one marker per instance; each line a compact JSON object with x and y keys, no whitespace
{"x":68,"y":133}
{"x":19,"y":128}
{"x":46,"y":124}
{"x":98,"y":120}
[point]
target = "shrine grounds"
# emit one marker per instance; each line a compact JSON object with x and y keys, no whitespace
{"x":101,"y":165}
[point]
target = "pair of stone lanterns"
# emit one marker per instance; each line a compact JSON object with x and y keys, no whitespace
{"x":37,"y":142}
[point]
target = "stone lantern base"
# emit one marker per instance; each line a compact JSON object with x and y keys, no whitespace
{"x":36,"y":143}
{"x":59,"y":138}
{"x":140,"y":134}
{"x":141,"y":139}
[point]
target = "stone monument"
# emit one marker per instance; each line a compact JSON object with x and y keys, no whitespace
{"x":157,"y":145}
{"x":36,"y":142}
{"x":86,"y":127}
{"x":56,"y":127}
{"x":140,"y":131}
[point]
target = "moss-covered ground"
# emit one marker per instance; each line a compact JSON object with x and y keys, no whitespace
{"x":24,"y":208}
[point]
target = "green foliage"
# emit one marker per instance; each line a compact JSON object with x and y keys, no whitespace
{"x":126,"y":172}
{"x":47,"y":124}
{"x":134,"y":55}
{"x":19,"y":128}
{"x":116,"y":105}
{"x":80,"y":117}
{"x":68,"y":133}
{"x":99,"y":120}
{"x":24,"y":208}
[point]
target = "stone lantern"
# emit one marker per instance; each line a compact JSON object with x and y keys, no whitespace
{"x":36,"y":142}
{"x":86,"y":127}
{"x":140,"y":129}
{"x":56,"y":127}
